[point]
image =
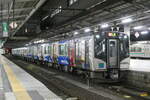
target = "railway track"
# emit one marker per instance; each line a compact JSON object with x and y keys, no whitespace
{"x":71,"y":87}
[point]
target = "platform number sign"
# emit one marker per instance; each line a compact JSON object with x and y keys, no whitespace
{"x":5,"y":29}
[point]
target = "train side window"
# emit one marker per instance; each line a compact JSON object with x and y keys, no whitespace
{"x":49,"y":49}
{"x":62,"y":49}
{"x":131,"y":49}
{"x":45,"y":50}
{"x":66,"y":49}
{"x":135,"y":49}
{"x":138,"y":49}
{"x":99,"y":48}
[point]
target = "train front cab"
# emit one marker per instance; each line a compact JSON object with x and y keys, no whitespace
{"x":114,"y":52}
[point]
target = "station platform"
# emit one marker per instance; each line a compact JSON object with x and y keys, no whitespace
{"x":142,"y":65}
{"x":16,"y":84}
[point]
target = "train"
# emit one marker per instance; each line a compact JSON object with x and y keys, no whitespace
{"x":140,"y":50}
{"x":103,"y":55}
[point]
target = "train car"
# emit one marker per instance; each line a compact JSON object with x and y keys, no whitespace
{"x":140,"y":50}
{"x":102,"y":54}
{"x":46,"y":53}
{"x":21,"y":52}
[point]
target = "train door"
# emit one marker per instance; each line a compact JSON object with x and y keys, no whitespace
{"x":55,"y":52}
{"x":39,"y":50}
{"x":87,"y":59}
{"x":71,"y":52}
{"x":113,"y":56}
{"x":113,"y":65}
{"x":80,"y":53}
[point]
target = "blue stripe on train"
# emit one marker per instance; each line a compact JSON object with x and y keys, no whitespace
{"x":36,"y":57}
{"x":29,"y":56}
{"x":63,"y":60}
{"x":48,"y":59}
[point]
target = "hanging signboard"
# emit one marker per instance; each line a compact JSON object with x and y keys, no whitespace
{"x":5,"y":29}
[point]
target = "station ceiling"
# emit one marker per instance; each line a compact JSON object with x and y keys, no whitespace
{"x":38,"y":19}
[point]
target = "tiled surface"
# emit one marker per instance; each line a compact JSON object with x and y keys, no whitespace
{"x":139,"y":73}
{"x":35,"y":89}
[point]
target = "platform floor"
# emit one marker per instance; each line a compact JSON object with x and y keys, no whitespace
{"x":16,"y":84}
{"x":142,"y":65}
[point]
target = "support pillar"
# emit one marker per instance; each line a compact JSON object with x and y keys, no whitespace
{"x":127,"y":29}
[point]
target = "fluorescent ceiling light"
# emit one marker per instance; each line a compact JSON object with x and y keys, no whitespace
{"x":87,"y":30}
{"x":127,"y":20}
{"x":138,"y":27}
{"x":149,"y":28}
{"x":97,"y":36}
{"x":144,"y":32}
{"x":104,"y":25}
{"x":45,"y":18}
{"x":75,"y":33}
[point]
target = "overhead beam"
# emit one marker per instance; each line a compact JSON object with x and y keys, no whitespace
{"x":16,"y":10}
{"x":11,"y":5}
{"x":65,"y":9}
{"x":15,"y":17}
{"x":19,"y":38}
{"x":24,"y":0}
{"x":39,"y":4}
{"x":100,"y":6}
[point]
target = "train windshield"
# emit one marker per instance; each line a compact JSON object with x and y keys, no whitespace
{"x":100,"y":48}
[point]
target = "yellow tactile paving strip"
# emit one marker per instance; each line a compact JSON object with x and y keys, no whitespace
{"x":17,"y":88}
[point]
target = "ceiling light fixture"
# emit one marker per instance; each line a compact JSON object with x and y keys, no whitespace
{"x":104,"y":25}
{"x":127,"y":20}
{"x":138,"y":27}
{"x":87,"y":30}
{"x":144,"y":32}
{"x":45,"y":18}
{"x":75,"y":33}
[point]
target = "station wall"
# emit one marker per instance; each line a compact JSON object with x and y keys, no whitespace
{"x":138,"y":79}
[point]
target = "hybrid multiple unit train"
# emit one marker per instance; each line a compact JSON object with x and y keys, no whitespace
{"x":102,"y":54}
{"x":140,"y":50}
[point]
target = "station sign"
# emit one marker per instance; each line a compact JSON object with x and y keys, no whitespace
{"x":5,"y":29}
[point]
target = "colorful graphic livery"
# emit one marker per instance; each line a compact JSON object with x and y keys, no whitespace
{"x":102,"y":54}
